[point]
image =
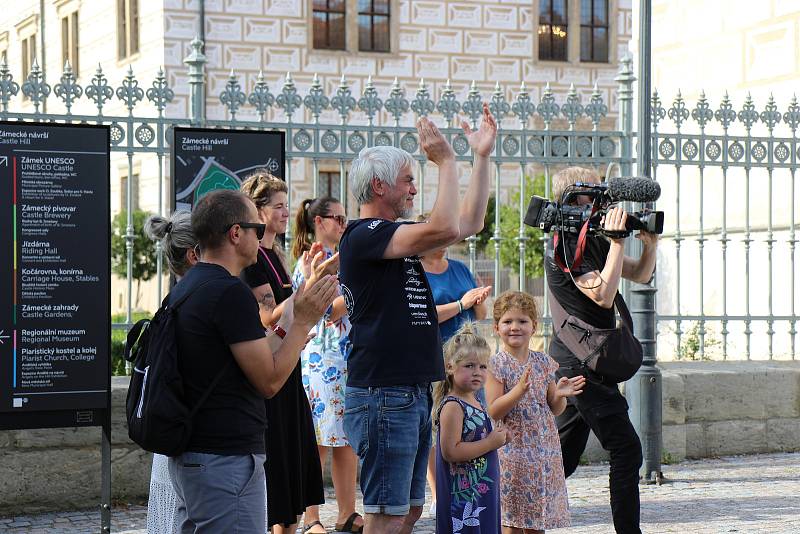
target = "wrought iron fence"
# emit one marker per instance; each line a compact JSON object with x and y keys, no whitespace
{"x":731,"y":189}
{"x":534,"y":137}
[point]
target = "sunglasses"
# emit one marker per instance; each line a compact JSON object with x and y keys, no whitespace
{"x":260,"y":228}
{"x":341,"y":219}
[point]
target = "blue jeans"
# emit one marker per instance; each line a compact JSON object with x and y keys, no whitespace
{"x":390,"y":430}
{"x":218,"y":493}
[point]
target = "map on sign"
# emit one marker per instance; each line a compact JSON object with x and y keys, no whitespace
{"x":207,"y":159}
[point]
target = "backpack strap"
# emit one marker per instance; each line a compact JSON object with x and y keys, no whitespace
{"x":177,"y":304}
{"x":624,"y":313}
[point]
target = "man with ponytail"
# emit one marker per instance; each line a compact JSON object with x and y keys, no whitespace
{"x":396,"y":350}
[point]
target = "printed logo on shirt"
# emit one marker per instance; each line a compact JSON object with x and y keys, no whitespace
{"x":348,"y":298}
{"x":420,"y":305}
{"x":374,"y":224}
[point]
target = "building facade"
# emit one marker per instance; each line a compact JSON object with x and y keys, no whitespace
{"x":563,"y":43}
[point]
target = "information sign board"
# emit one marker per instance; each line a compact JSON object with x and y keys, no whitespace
{"x":54,"y":274}
{"x":205,"y":159}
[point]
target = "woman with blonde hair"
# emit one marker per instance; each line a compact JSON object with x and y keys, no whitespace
{"x":294,"y":475}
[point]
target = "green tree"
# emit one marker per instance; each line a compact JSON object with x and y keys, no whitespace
{"x":509,"y":231}
{"x":144,"y":249}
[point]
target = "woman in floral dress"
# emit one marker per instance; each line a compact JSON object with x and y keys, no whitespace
{"x":324,"y":361}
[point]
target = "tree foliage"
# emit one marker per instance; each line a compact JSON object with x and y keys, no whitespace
{"x":509,"y":231}
{"x":144,"y":249}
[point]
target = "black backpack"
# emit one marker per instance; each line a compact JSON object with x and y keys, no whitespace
{"x":158,"y":418}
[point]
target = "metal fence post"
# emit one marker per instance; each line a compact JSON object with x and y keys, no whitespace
{"x":196,"y":61}
{"x":644,"y":389}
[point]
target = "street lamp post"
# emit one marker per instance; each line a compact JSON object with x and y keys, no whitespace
{"x":644,"y":389}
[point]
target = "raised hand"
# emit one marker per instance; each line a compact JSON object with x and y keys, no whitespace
{"x":569,"y":387}
{"x":481,"y":141}
{"x":524,"y":383}
{"x":647,"y":238}
{"x":312,"y":299}
{"x":432,"y":142}
{"x":308,"y":257}
{"x":614,"y":221}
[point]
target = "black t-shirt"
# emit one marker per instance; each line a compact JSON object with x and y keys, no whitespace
{"x":269,"y":269}
{"x":395,"y":332}
{"x":569,"y":296}
{"x":232,"y":419}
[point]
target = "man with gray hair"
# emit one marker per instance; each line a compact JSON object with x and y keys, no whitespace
{"x":396,"y":350}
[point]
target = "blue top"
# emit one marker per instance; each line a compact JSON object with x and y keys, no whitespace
{"x":450,"y":286}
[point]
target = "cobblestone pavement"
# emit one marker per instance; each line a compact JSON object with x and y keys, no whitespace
{"x":745,"y":494}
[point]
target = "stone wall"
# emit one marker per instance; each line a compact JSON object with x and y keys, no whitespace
{"x":59,"y":469}
{"x":709,"y":409}
{"x":723,"y":408}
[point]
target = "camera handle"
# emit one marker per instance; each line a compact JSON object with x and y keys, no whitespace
{"x":578,"y":259}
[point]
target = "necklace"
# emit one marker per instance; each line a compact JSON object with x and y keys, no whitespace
{"x":278,"y":277}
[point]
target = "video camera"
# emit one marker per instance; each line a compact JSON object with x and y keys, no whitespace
{"x":561,"y":216}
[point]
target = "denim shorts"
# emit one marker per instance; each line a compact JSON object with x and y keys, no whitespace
{"x":390,"y":430}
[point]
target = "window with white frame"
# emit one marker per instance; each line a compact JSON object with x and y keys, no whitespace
{"x":127,"y":28}
{"x":69,"y":41}
{"x":28,"y":50}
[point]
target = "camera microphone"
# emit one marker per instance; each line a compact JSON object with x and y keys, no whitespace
{"x":633,"y":189}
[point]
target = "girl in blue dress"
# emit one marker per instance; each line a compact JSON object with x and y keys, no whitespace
{"x":467,"y":469}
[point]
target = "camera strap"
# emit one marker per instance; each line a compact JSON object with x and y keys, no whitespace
{"x":578,"y":259}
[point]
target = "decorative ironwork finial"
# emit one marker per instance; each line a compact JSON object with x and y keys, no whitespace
{"x":547,"y":108}
{"x":232,"y":97}
{"x":396,"y":104}
{"x":316,"y":101}
{"x":288,"y":99}
{"x":67,"y":89}
{"x":261,"y":98}
{"x":448,"y":105}
{"x":422,"y":104}
{"x":369,"y":102}
{"x":343,"y":102}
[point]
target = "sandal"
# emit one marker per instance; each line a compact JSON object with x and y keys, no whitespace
{"x":349,"y":525}
{"x":308,"y":527}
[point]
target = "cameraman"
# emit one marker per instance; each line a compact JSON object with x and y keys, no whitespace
{"x":588,"y":292}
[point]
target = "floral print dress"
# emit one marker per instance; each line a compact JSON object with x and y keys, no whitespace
{"x":468,"y":493}
{"x":324,"y":368}
{"x":533,"y":492}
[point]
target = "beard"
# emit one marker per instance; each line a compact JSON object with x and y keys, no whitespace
{"x":401,"y":211}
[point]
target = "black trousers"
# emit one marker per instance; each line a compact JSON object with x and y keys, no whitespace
{"x":602,"y":409}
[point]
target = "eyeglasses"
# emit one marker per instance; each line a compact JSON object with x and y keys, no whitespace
{"x":260,"y":228}
{"x":341,"y":219}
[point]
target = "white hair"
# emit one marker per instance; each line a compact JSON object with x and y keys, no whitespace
{"x":381,"y":162}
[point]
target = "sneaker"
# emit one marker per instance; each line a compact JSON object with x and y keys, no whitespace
{"x":432,"y":510}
